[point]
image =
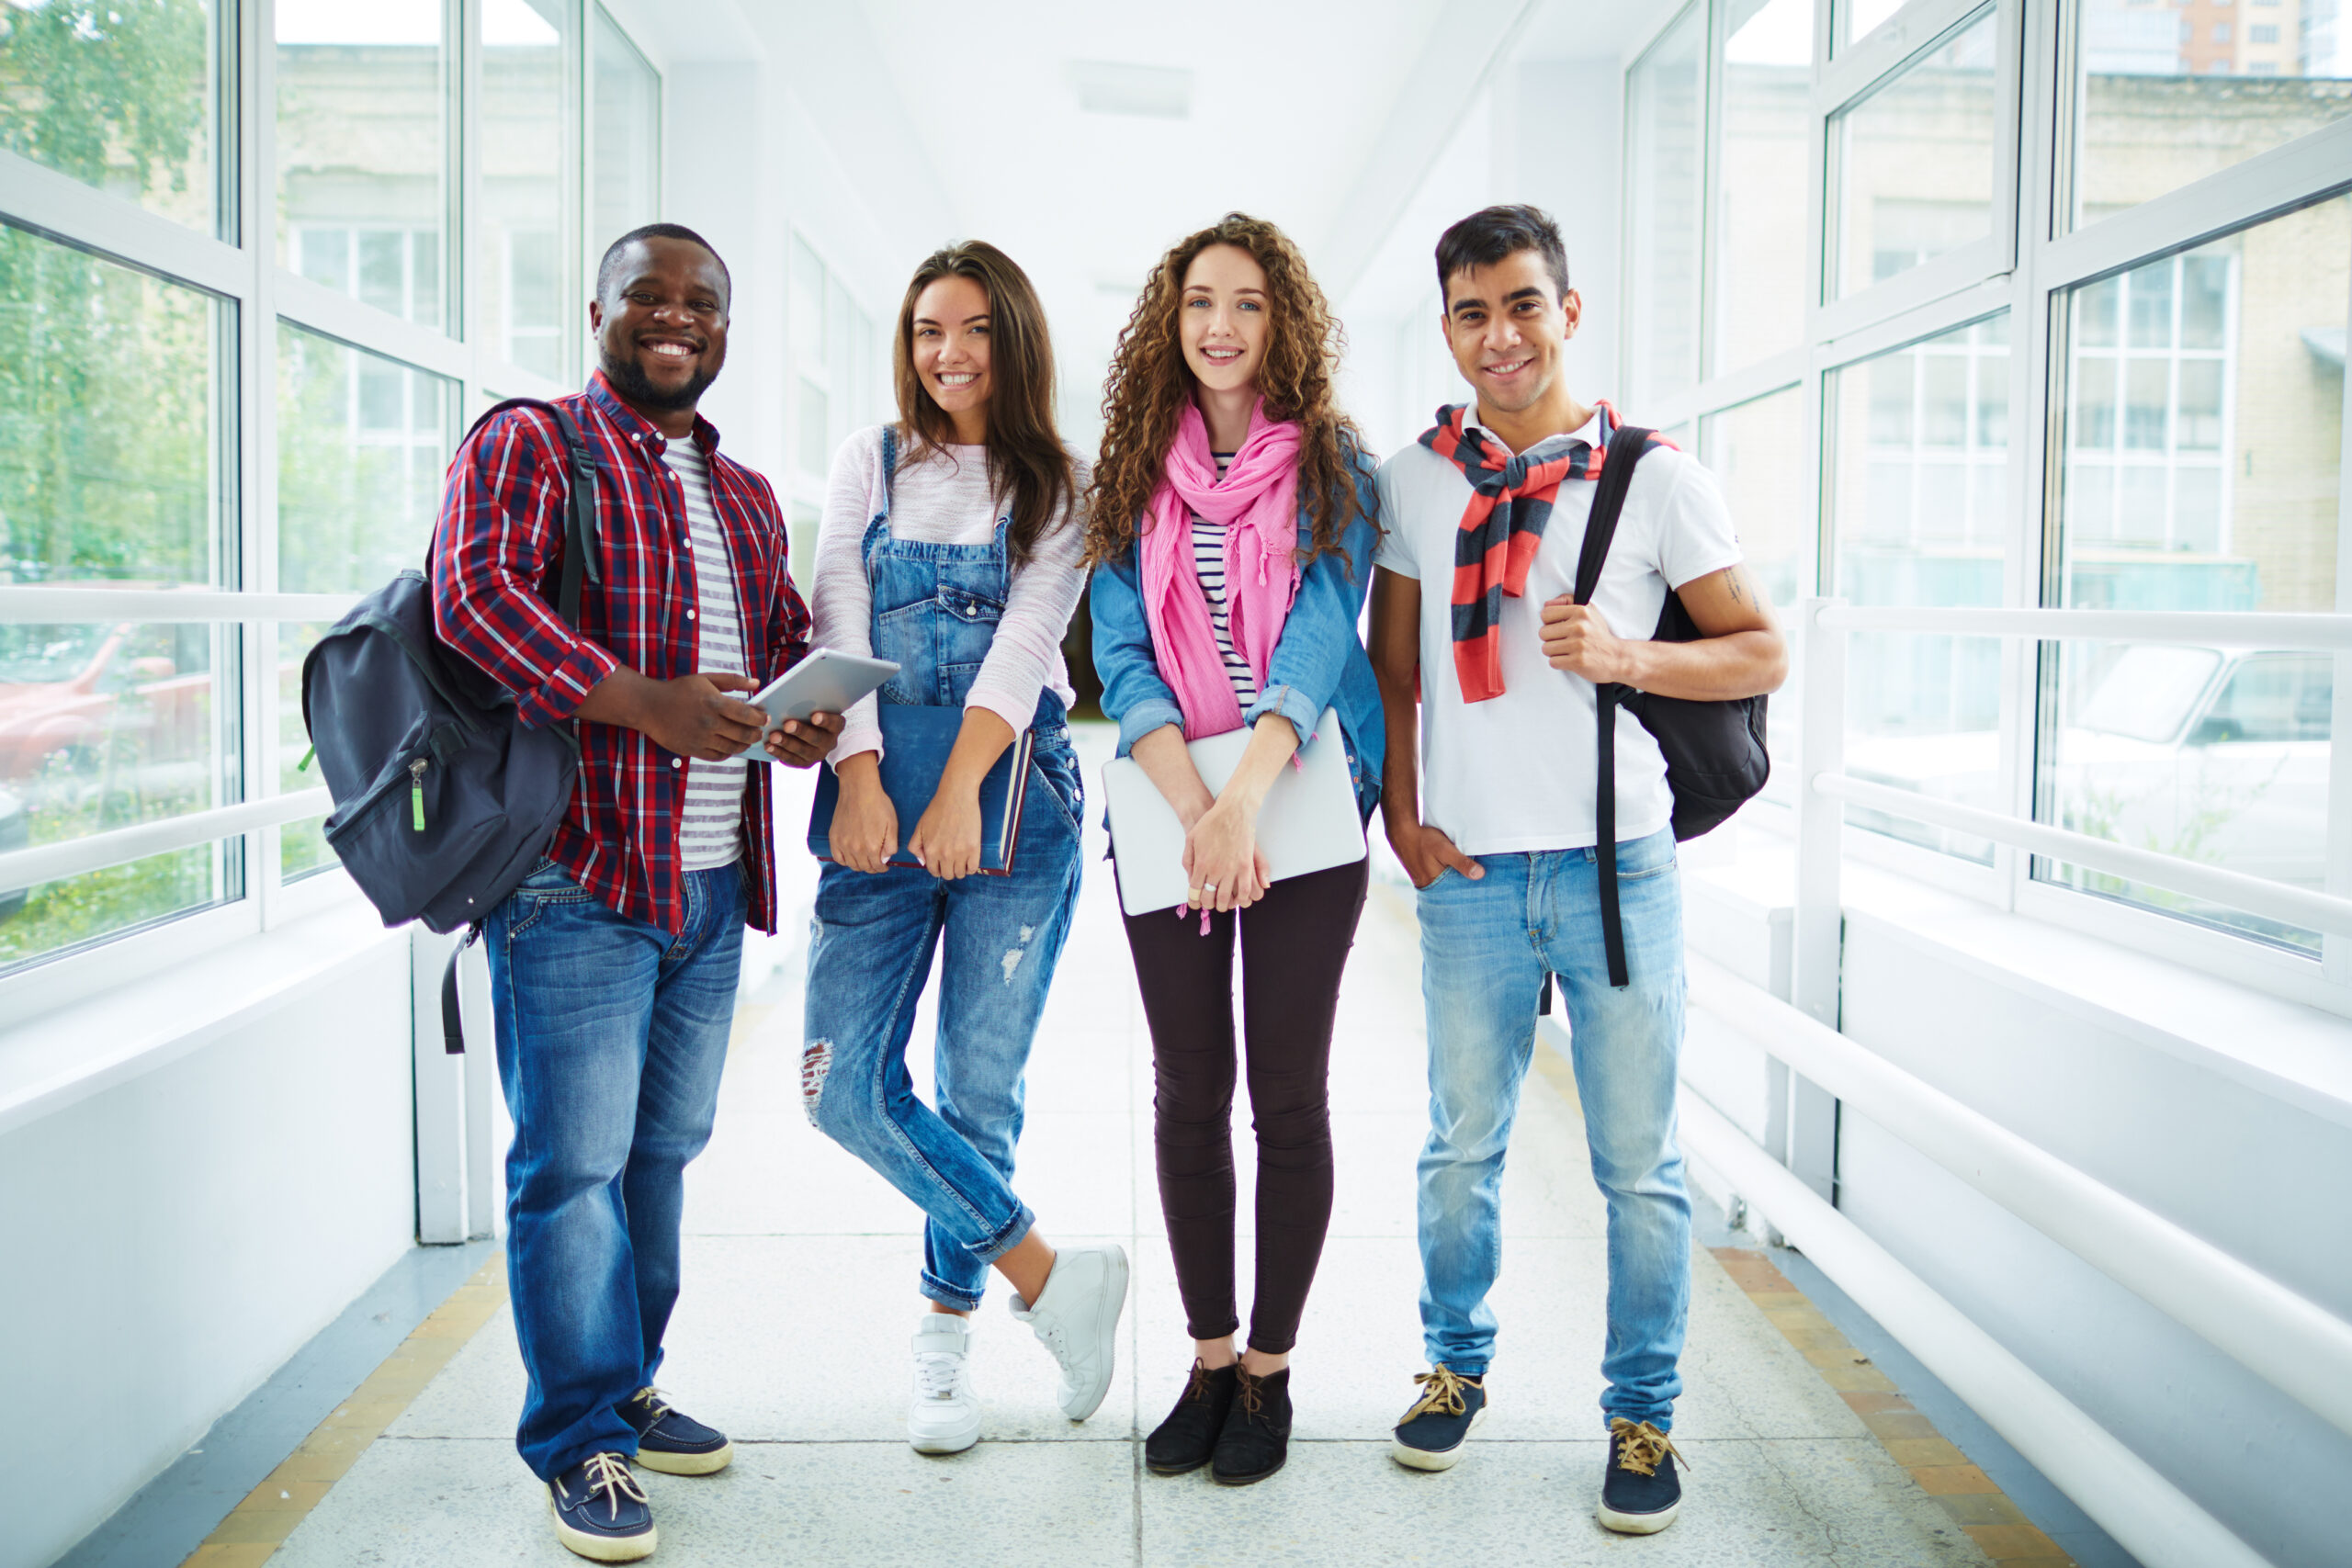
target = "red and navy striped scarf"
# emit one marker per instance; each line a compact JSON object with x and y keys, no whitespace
{"x":1511,"y":500}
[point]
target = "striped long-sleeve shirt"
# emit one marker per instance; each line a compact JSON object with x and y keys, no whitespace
{"x":712,"y":833}
{"x":495,"y":563}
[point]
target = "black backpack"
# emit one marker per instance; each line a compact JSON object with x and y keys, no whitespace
{"x":1716,"y":759}
{"x":443,"y":801}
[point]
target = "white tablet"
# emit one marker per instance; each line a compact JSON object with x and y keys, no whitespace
{"x":824,"y":682}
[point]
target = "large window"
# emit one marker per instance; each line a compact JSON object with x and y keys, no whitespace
{"x":122,"y":96}
{"x":2204,"y":431}
{"x":1916,"y":166}
{"x":519,"y":256}
{"x":196,"y":478}
{"x":624,"y":131}
{"x":2086,"y":353}
{"x":364,"y":95}
{"x":1666,"y":107}
{"x":114,"y":423}
{"x":841,"y":381}
{"x":1758,"y":287}
{"x":1919,"y":439}
{"x":2151,"y":114}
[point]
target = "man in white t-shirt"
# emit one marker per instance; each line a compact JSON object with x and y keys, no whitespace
{"x":1491,"y":803}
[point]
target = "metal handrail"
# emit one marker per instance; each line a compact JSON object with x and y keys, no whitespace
{"x":2292,"y":1343}
{"x":2147,"y":1515}
{"x":54,"y":862}
{"x":2206,"y":629}
{"x":2255,"y":894}
{"x":66,"y":606}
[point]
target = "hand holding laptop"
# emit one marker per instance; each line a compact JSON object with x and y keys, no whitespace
{"x":1308,"y":822}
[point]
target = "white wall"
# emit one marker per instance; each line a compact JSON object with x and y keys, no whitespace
{"x":1542,"y":131}
{"x":173,"y":1239}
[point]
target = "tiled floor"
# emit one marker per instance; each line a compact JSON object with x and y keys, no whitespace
{"x":800,"y":1298}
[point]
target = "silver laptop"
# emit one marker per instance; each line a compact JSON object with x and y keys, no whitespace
{"x":1308,"y":822}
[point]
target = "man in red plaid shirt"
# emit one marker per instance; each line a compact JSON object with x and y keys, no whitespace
{"x":613,"y":965}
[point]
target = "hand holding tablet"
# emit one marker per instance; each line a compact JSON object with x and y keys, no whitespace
{"x":823,"y":682}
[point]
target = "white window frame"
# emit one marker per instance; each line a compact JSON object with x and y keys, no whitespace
{"x":2025,"y":267}
{"x":242,"y":269}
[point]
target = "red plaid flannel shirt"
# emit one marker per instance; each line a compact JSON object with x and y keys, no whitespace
{"x":495,"y":564}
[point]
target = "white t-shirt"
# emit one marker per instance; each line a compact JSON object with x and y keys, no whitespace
{"x":1514,"y":775}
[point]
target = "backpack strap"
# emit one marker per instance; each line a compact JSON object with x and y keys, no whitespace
{"x":581,"y":531}
{"x":1625,"y":449}
{"x":453,"y":1016}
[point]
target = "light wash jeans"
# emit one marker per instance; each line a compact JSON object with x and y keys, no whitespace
{"x":1485,"y":947}
{"x":870,"y":948}
{"x":611,"y":1035}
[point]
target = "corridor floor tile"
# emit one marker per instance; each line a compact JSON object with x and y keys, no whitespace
{"x":1529,"y":1504}
{"x":418,"y":1504}
{"x":800,"y":1339}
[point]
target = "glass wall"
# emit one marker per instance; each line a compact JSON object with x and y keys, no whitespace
{"x":1665,"y":105}
{"x":625,"y":138}
{"x":1919,"y":445}
{"x":129,"y":419}
{"x":364,"y":98}
{"x":1916,"y":163}
{"x":2171,"y":442}
{"x":519,"y":251}
{"x":2156,"y":106}
{"x":841,"y":381}
{"x":2203,"y":453}
{"x":1757,"y":293}
{"x":114,"y":421}
{"x":119,"y":96}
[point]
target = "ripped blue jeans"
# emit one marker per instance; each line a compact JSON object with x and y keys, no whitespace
{"x":870,"y":950}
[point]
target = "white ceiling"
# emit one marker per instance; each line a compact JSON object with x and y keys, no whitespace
{"x":1322,"y":114}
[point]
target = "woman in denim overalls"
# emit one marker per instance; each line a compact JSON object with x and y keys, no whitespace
{"x":950,"y":545}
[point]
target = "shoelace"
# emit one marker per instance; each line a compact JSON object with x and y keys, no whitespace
{"x":935,"y":1375}
{"x":1642,"y":1446}
{"x":655,"y":1405}
{"x":608,"y":1474}
{"x":1197,"y":1387}
{"x":1251,"y":1393}
{"x":1444,"y":1392}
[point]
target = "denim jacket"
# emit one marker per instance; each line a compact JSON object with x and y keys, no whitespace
{"x":1318,"y":662}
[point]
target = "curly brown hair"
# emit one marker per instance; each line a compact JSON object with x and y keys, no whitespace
{"x":1027,"y":462}
{"x":1149,"y":384}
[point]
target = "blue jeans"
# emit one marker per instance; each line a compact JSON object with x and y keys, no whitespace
{"x":870,"y":947}
{"x":611,"y":1035}
{"x":1485,"y":947}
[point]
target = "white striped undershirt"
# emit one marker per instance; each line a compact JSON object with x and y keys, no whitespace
{"x":1208,"y":559}
{"x":712,"y":832}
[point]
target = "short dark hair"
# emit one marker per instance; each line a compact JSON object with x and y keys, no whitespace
{"x":608,"y":271}
{"x":1489,"y":234}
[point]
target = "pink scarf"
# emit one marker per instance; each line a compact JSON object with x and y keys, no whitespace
{"x":1256,"y":504}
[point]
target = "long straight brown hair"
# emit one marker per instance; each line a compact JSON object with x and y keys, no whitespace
{"x":1027,"y":462}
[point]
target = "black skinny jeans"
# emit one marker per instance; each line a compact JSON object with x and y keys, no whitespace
{"x":1295,"y":944}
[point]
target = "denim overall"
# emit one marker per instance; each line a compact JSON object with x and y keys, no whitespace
{"x":871,"y":941}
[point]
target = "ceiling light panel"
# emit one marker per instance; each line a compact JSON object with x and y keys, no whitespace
{"x":1147,"y":92}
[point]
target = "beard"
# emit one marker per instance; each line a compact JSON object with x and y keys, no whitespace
{"x":628,"y":378}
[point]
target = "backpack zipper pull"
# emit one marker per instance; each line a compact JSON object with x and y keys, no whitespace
{"x":304,"y":765}
{"x":416,"y":794}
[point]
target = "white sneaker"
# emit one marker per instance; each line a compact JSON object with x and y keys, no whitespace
{"x":1077,"y":1318}
{"x":944,"y":1418}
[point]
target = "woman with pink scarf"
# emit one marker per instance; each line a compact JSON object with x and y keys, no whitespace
{"x":1231,"y":524}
